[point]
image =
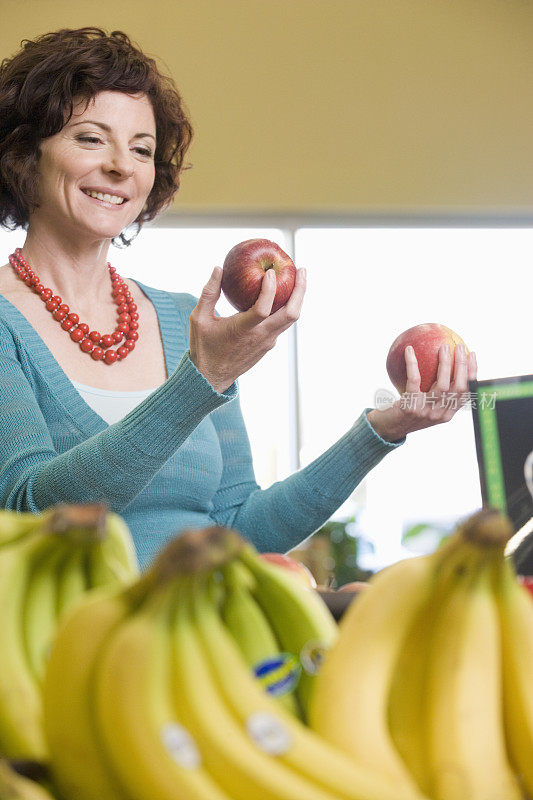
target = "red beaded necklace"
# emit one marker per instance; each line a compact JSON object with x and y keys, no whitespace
{"x":90,"y":342}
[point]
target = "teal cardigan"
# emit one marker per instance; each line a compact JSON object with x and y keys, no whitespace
{"x":180,"y":459}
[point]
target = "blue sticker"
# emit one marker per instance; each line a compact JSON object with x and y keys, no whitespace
{"x":279,"y":674}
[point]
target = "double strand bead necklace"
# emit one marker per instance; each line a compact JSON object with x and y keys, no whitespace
{"x":91,"y":342}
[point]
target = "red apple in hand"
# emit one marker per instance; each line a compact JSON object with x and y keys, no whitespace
{"x":296,"y":568}
{"x":244,"y":269}
{"x":426,"y":340}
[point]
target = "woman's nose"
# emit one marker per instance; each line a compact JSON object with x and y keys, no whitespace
{"x":120,"y":161}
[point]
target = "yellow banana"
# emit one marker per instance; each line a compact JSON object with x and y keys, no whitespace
{"x":464,"y":717}
{"x":349,"y":706}
{"x":299,"y":617}
{"x":121,"y":543}
{"x":40,"y":606}
{"x":21,"y":734}
{"x":516,"y":616}
{"x":244,"y":618}
{"x":72,"y":579}
{"x":16,"y":787}
{"x":407,"y":699}
{"x":407,"y":696}
{"x":15,"y":525}
{"x":104,"y":568}
{"x":109,"y":559}
{"x":304,"y":753}
{"x":76,"y":760}
{"x":149,"y":749}
{"x":236,"y":757}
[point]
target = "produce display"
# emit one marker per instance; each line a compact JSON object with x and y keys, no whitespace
{"x":426,"y":339}
{"x":244,"y":269}
{"x":220,"y":673}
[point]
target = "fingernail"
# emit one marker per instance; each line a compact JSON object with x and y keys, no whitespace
{"x":304,"y":272}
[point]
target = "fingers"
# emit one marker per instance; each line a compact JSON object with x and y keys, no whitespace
{"x":444,"y":369}
{"x":285,"y":316}
{"x":472,"y":366}
{"x":444,"y":398}
{"x":413,"y":373}
{"x":210,"y":293}
{"x":263,"y":305}
{"x":460,"y":370}
{"x":465,"y":370}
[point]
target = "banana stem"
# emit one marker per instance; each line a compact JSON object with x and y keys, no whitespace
{"x":488,"y":527}
{"x":80,"y":522}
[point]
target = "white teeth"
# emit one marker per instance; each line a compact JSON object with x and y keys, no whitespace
{"x":108,"y":198}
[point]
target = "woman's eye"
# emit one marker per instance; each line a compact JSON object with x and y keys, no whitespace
{"x":143,"y":151}
{"x":92,"y":139}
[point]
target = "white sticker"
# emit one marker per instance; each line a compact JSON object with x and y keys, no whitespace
{"x":180,"y":745}
{"x":312,"y":656}
{"x":268,"y":733}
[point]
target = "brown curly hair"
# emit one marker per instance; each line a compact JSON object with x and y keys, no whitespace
{"x":39,"y":87}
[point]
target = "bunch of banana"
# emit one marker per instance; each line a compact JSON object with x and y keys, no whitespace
{"x":148,"y":695}
{"x":17,"y":787}
{"x":45,"y":568}
{"x":431,"y":677}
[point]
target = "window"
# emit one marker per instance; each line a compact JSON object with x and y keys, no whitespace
{"x":181,"y":260}
{"x":365,"y":285}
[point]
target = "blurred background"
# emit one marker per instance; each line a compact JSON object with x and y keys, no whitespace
{"x":387,"y":145}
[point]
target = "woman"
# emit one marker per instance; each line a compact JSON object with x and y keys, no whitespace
{"x":93,"y":140}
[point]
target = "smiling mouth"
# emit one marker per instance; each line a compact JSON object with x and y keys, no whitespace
{"x":106,"y":199}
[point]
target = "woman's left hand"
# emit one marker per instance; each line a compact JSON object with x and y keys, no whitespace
{"x":415,"y":409}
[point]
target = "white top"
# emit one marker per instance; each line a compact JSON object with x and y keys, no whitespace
{"x":110,"y":405}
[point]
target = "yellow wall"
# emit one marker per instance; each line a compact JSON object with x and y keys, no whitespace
{"x":349,"y":106}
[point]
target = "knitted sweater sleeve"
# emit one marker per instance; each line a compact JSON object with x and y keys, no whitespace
{"x":113,"y":465}
{"x":279,"y":517}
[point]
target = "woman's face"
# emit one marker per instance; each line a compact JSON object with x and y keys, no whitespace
{"x":106,"y":148}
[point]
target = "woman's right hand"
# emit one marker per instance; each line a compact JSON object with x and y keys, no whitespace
{"x":224,"y":348}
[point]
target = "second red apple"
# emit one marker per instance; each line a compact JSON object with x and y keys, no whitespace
{"x":244,"y":269}
{"x":426,"y":340}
